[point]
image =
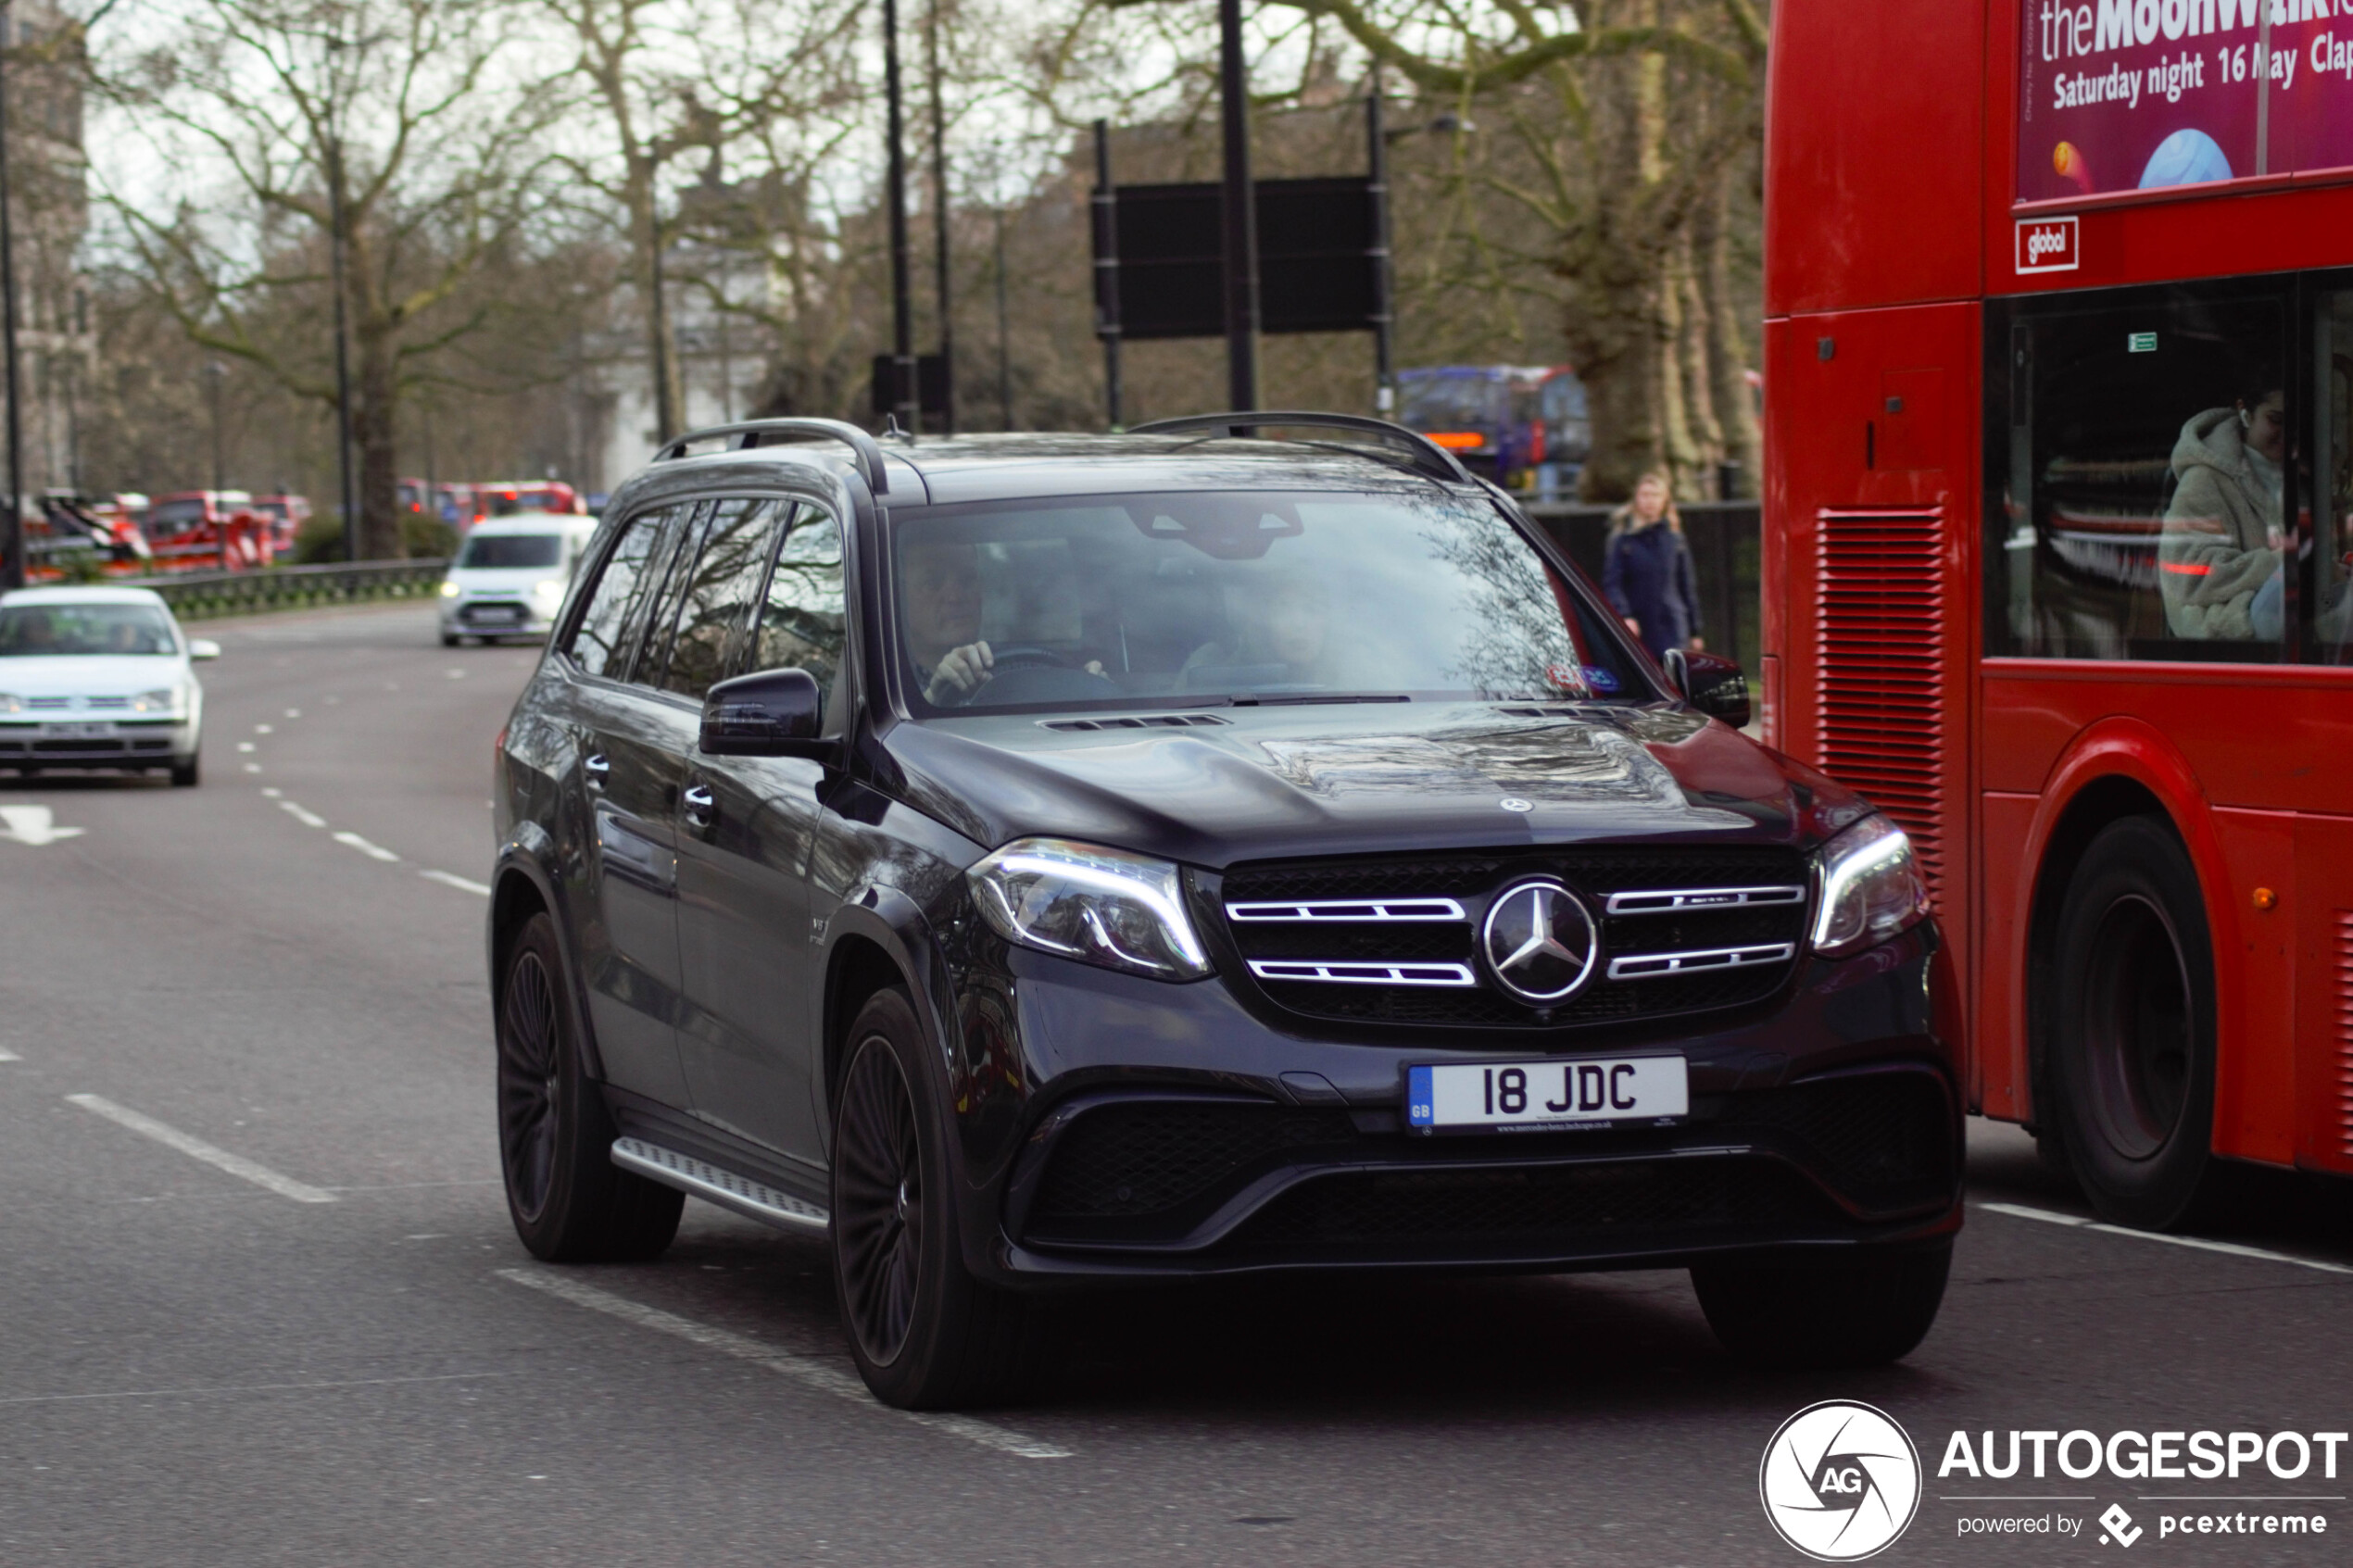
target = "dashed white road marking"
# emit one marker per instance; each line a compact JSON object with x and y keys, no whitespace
{"x":32,"y":825}
{"x":308,"y":818}
{"x":271,"y":792}
{"x":8,"y":1054}
{"x":196,"y":1148}
{"x":246,"y":746}
{"x":294,"y":712}
{"x":455,"y":674}
{"x":806,"y":1370}
{"x":373,"y":851}
{"x":2197,"y":1243}
{"x":251,"y":1389}
{"x":253,"y":767}
{"x":460,"y":882}
{"x":263,"y":729}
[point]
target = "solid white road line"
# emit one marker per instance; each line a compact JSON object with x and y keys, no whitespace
{"x":9,"y":1056}
{"x":2232,"y":1248}
{"x":308,"y":818}
{"x":806,"y":1370}
{"x":460,"y":884}
{"x":196,"y":1148}
{"x":373,"y":851}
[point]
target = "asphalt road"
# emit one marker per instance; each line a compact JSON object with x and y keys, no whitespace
{"x":337,"y":1352}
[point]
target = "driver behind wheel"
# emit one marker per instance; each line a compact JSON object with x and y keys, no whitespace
{"x":940,"y":596}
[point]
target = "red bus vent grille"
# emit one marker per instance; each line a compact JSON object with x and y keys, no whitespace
{"x":1881,"y":591}
{"x":2344,"y":1030}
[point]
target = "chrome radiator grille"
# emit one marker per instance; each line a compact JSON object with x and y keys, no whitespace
{"x":1395,"y":940}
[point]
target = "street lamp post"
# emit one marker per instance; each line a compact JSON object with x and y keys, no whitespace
{"x":343,"y":354}
{"x":906,"y":403}
{"x":1240,"y":213}
{"x":215,"y":372}
{"x":12,"y":574}
{"x":939,"y":221}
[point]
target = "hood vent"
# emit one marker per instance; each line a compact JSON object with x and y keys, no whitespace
{"x":1148,"y":721}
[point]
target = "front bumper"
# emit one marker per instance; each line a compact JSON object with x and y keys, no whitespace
{"x":1172,"y":1133}
{"x":126,"y":743}
{"x":469,"y":617}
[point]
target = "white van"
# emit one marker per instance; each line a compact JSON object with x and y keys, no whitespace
{"x":509,"y":576}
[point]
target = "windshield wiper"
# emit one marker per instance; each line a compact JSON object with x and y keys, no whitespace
{"x":1290,"y":699}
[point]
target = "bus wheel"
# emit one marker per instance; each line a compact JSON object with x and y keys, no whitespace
{"x":2133,"y":1034}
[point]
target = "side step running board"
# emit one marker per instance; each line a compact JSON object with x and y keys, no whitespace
{"x":700,"y":1178}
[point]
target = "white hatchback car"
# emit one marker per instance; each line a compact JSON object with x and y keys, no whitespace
{"x":99,"y":678}
{"x":510,"y":574}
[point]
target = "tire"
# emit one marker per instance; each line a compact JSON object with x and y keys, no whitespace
{"x":2131,"y":1034}
{"x":570,"y":1203}
{"x":925,"y":1333}
{"x":450,"y":639}
{"x":1857,"y":1309}
{"x":185,"y":776}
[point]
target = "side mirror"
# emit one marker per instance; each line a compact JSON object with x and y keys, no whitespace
{"x":1715,"y":685}
{"x":203,"y":647}
{"x":771,"y":713}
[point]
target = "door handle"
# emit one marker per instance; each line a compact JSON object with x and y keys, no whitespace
{"x":596,"y":765}
{"x":698,"y":801}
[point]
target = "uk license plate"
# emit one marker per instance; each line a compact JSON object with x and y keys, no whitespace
{"x":503,"y":615}
{"x":1543,"y":1096}
{"x":76,"y":732}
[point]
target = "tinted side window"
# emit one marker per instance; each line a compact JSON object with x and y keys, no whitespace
{"x":601,"y":643}
{"x":716,"y":609}
{"x":677,"y":571}
{"x":801,"y":617}
{"x":2145,"y":482}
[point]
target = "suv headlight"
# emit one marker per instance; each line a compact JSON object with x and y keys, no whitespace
{"x":1872,"y":888}
{"x":1098,"y":905}
{"x":548,"y":591}
{"x":448,"y":589}
{"x":166,"y":700}
{"x":11,"y":703}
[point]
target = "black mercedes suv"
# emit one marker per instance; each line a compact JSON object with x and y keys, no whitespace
{"x":1241,"y":844}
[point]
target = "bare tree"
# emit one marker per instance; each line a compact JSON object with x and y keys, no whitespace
{"x":387,"y":125}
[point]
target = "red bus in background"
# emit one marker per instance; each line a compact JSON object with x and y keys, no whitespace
{"x":463,"y":505}
{"x":2059,"y":524}
{"x":210,"y":531}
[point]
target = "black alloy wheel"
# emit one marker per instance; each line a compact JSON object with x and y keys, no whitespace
{"x":2132,"y":1030}
{"x":925,"y":1333}
{"x":569,"y":1201}
{"x":527,"y":1082}
{"x":878,"y":1198}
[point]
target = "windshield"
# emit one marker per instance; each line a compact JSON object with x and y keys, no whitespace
{"x":494,"y":551}
{"x":41,"y":630}
{"x":1214,"y":597}
{"x":171,"y":517}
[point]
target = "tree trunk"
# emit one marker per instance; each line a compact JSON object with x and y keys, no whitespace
{"x":1728,"y":342}
{"x":374,"y":405}
{"x":1694,"y":330}
{"x":661,"y":351}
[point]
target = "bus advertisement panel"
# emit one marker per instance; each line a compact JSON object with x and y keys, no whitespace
{"x":2140,"y":94}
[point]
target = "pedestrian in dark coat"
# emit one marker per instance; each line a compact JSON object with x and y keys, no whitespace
{"x":1647,"y":571}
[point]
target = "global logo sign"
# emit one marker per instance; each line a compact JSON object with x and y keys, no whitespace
{"x":2048,"y":245}
{"x":1841,"y":1480}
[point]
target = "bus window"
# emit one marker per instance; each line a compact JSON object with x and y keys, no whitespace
{"x":2142,"y":515}
{"x":2328,"y":637}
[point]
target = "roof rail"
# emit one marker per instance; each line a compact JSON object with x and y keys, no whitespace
{"x":1428,"y":457}
{"x":865,"y":453}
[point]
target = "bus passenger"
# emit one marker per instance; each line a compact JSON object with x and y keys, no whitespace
{"x":2218,"y":558}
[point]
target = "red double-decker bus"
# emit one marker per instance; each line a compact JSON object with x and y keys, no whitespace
{"x":2058,"y":529}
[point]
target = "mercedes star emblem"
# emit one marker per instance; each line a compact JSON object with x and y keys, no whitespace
{"x":1539,"y":940}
